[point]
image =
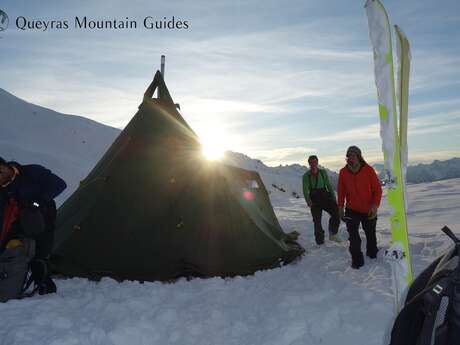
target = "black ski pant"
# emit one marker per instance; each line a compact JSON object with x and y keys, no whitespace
{"x":353,"y":220}
{"x":329,"y":205}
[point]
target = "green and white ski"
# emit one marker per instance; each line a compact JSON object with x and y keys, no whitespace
{"x":394,"y":140}
{"x":404,"y":57}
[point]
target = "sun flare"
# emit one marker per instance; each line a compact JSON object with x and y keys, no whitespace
{"x":213,"y":153}
{"x":214,"y":145}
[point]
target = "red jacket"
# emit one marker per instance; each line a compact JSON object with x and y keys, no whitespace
{"x":361,"y":190}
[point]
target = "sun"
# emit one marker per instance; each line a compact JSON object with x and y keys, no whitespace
{"x":213,"y":153}
{"x":216,"y":140}
{"x":213,"y":145}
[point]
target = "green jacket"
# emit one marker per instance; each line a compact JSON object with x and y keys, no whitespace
{"x":320,"y":181}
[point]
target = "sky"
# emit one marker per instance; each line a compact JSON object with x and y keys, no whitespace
{"x":275,"y":80}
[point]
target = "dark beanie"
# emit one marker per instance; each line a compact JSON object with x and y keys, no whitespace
{"x":2,"y":161}
{"x":355,"y":150}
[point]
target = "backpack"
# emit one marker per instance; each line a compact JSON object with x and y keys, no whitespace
{"x":431,"y":314}
{"x":19,"y":266}
{"x":14,"y":266}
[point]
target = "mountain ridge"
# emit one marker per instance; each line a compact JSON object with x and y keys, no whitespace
{"x":71,"y":145}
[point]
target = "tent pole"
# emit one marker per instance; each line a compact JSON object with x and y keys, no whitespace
{"x":163,"y":66}
{"x":162,"y":71}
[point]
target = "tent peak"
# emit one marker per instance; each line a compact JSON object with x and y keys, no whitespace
{"x":158,"y":83}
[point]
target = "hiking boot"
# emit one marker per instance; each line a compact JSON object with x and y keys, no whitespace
{"x":335,"y":238}
{"x":319,"y":241}
{"x":46,"y":287}
{"x":372,"y":255}
{"x":319,"y":237}
{"x":356,"y":265}
{"x":357,"y":262}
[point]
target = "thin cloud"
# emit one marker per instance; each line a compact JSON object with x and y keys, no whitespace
{"x":360,"y":133}
{"x":287,"y":154}
{"x":207,"y":106}
{"x":422,"y":107}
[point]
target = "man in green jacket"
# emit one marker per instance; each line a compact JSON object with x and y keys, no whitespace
{"x":320,"y":197}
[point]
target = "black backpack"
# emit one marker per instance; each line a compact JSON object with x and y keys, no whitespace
{"x":23,"y":275}
{"x":431,"y":314}
{"x":14,"y":267}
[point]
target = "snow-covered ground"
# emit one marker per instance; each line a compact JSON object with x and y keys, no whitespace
{"x":318,"y":300}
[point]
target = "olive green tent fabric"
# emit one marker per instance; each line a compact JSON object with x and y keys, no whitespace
{"x":154,"y":209}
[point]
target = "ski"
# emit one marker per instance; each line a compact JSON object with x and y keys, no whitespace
{"x":404,"y":57}
{"x":394,"y":139}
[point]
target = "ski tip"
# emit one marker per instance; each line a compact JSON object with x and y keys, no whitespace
{"x":400,"y":31}
{"x":367,"y":3}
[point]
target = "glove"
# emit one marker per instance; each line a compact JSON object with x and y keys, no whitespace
{"x":372,"y":212}
{"x":309,"y":203}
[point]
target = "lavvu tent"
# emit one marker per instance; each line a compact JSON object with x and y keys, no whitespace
{"x":154,"y":209}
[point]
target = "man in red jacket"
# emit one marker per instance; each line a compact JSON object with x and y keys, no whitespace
{"x":359,"y":187}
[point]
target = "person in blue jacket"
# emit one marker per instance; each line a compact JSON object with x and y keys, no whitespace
{"x":28,"y":209}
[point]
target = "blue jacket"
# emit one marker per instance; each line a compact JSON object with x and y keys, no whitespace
{"x":34,"y":183}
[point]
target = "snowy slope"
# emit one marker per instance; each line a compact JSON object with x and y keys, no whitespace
{"x":438,"y":170}
{"x":69,"y":145}
{"x":435,"y":171}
